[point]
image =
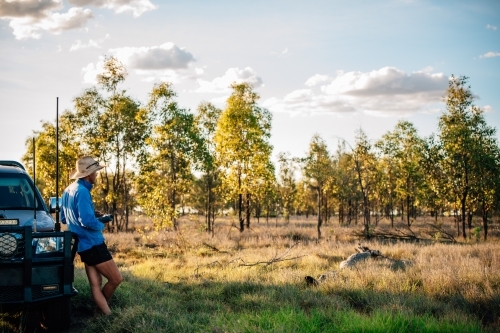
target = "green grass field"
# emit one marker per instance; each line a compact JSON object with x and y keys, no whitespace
{"x":188,"y":281}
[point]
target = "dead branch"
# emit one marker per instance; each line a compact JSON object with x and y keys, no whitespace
{"x":272,"y":261}
{"x":443,"y":234}
{"x":405,"y":234}
{"x":213,"y":248}
{"x":275,"y":259}
{"x":212,"y":264}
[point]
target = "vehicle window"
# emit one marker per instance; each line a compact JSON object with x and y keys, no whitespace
{"x":16,"y":192}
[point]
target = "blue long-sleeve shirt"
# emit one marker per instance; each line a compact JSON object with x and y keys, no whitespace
{"x":77,"y":210}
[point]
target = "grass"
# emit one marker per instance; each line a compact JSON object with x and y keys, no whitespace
{"x":189,"y":281}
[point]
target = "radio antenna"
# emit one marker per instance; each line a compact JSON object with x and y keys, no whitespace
{"x":34,"y":187}
{"x":58,"y":224}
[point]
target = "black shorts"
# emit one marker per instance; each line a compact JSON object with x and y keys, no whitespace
{"x":97,"y":254}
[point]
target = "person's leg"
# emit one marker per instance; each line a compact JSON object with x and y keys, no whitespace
{"x":110,"y":271}
{"x":95,"y":280}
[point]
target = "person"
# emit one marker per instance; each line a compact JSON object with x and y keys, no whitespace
{"x":77,"y":211}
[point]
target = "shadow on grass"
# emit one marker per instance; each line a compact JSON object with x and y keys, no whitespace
{"x":146,"y":305}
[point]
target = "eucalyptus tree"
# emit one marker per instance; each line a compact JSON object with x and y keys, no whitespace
{"x":487,"y":173}
{"x":174,"y":150}
{"x":402,"y":149}
{"x":317,"y":172}
{"x":45,"y":154}
{"x":345,"y":184}
{"x":463,"y":133}
{"x":112,"y":127}
{"x":287,"y":185}
{"x":206,"y":119}
{"x":242,"y":147}
{"x":305,"y":198}
{"x":365,"y":167}
{"x":436,"y":190}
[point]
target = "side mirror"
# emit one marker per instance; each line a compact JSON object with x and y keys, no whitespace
{"x":52,"y":204}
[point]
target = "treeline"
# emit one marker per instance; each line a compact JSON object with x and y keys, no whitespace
{"x":163,"y":159}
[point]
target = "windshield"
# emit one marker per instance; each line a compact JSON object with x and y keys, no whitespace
{"x":16,"y":192}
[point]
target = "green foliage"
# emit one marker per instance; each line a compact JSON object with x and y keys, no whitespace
{"x":402,"y":152}
{"x":113,"y":128}
{"x":470,"y":149}
{"x":242,"y":147}
{"x":45,"y":154}
{"x":287,"y":186}
{"x":317,"y":170}
{"x":205,"y":190}
{"x":174,"y":149}
{"x":162,"y":157}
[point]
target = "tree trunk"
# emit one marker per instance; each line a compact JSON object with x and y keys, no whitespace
{"x":485,"y":221}
{"x":319,"y":213}
{"x":267,"y":213}
{"x":469,"y":222}
{"x":247,"y":210}
{"x":208,"y":212}
{"x":240,"y":206}
{"x":464,"y":217}
{"x":408,"y":210}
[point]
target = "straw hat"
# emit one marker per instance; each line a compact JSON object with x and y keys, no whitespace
{"x":85,"y":166}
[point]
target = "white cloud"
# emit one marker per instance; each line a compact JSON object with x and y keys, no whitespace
{"x":78,"y":44}
{"x":137,"y":7}
{"x":282,"y":54}
{"x":91,"y":71}
{"x":317,"y":79}
{"x":381,"y":92}
{"x":32,"y":24}
{"x":233,"y":75}
{"x":490,"y":55}
{"x":35,"y":9}
{"x":167,"y":56}
{"x":166,"y":62}
{"x":491,"y":27}
{"x":29,"y":18}
{"x":487,"y":108}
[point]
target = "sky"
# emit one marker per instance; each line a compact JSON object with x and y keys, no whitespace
{"x":326,"y":67}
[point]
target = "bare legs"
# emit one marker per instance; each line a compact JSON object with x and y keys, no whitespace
{"x":95,"y":273}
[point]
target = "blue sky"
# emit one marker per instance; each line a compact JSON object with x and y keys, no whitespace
{"x":322,"y":67}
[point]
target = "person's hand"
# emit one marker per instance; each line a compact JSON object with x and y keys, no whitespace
{"x":106,"y":218}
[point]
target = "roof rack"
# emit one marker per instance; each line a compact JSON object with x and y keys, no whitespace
{"x":12,"y":163}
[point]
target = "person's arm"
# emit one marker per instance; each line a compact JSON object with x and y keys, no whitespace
{"x":87,"y":217}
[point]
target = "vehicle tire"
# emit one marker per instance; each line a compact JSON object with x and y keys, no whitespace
{"x":56,"y":314}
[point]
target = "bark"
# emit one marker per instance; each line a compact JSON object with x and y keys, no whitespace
{"x":485,"y":221}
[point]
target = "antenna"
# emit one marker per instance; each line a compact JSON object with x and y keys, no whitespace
{"x":58,"y":224}
{"x":34,"y":187}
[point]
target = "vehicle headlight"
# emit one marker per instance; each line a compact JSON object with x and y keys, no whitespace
{"x":8,"y":246}
{"x":49,"y":244}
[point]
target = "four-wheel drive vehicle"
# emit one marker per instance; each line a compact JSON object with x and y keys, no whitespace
{"x":36,"y":263}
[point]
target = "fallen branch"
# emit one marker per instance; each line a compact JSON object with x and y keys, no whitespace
{"x":442,"y":234}
{"x":212,"y":264}
{"x":272,"y":261}
{"x":213,"y":248}
{"x":275,"y":259}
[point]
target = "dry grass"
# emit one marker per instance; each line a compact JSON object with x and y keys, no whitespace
{"x":463,"y":276}
{"x":264,"y":266}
